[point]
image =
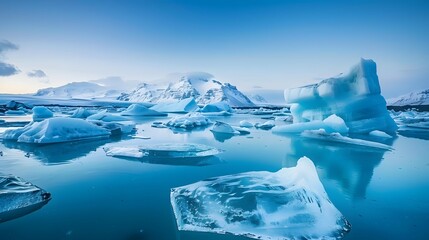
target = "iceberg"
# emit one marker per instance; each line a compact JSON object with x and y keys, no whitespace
{"x":217,"y":107}
{"x":140,"y":110}
{"x":321,"y":134}
{"x":189,"y":120}
{"x":288,"y":204}
{"x":166,"y":150}
{"x":222,"y":113}
{"x":331,"y":124}
{"x":225,"y":128}
{"x":40,"y":113}
{"x":15,"y":112}
{"x":54,"y":130}
{"x":355,"y":97}
{"x":106,"y":117}
{"x":183,"y":106}
{"x":19,"y":198}
{"x":266,"y":125}
{"x":81,"y":113}
{"x":116,"y":128}
{"x":246,"y":124}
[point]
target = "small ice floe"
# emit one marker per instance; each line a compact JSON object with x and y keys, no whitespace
{"x":15,"y":112}
{"x":183,"y":106}
{"x":158,"y":125}
{"x":288,"y":204}
{"x":222,"y":113}
{"x":246,"y":124}
{"x":224,"y":128}
{"x":189,"y":121}
{"x":321,"y":134}
{"x":40,"y":113}
{"x":19,"y":198}
{"x":166,"y":150}
{"x":106,"y":117}
{"x":54,"y":130}
{"x":140,"y":110}
{"x":263,"y":111}
{"x":116,"y":128}
{"x":332,"y":123}
{"x":141,"y":137}
{"x":381,"y":134}
{"x":266,"y":125}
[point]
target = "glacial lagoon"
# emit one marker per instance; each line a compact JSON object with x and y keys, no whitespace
{"x":382,"y":193}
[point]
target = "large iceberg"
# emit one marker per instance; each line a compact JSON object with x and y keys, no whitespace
{"x":183,"y":106}
{"x":18,"y":197}
{"x":355,"y":97}
{"x":53,"y":130}
{"x":40,"y":113}
{"x":140,"y":110}
{"x":288,"y":204}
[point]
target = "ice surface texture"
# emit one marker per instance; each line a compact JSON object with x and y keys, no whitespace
{"x":355,"y":97}
{"x":53,"y":130}
{"x":41,"y":113}
{"x":168,"y":150}
{"x":18,"y":197}
{"x":331,"y":124}
{"x":217,"y":107}
{"x":288,"y":204}
{"x":189,"y":121}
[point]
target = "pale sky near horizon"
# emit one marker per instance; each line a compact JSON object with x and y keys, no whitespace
{"x":272,"y":44}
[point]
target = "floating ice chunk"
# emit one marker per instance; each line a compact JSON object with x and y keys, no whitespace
{"x":53,"y":130}
{"x":223,"y":113}
{"x":19,"y":198}
{"x":106,"y":117}
{"x":266,"y":125}
{"x":116,"y":128}
{"x":40,"y":113}
{"x":321,"y":134}
{"x":167,"y":150}
{"x":377,"y":133}
{"x":158,"y":125}
{"x":140,"y":110}
{"x":217,"y":107}
{"x":82,"y":113}
{"x":14,"y":112}
{"x":246,"y":124}
{"x":189,"y":120}
{"x":183,"y":106}
{"x":241,"y":130}
{"x":288,"y":204}
{"x":263,"y":111}
{"x":225,"y":128}
{"x":331,"y":124}
{"x":355,"y":97}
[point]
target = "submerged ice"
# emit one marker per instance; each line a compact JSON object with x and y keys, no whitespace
{"x":165,"y":150}
{"x":18,"y":197}
{"x":288,"y":204}
{"x":355,"y":97}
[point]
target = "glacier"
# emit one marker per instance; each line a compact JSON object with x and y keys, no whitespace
{"x":40,"y":113}
{"x":54,"y":130}
{"x":288,"y":204}
{"x":183,"y":106}
{"x":19,"y":198}
{"x":355,"y":97}
{"x":140,"y":110}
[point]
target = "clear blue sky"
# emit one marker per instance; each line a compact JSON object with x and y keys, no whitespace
{"x":273,"y":44}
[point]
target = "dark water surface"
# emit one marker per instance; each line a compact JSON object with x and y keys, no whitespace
{"x":384,"y":195}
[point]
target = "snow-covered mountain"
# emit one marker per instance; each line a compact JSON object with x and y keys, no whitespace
{"x":410,"y":99}
{"x":111,"y":87}
{"x":261,"y":96}
{"x":202,"y":86}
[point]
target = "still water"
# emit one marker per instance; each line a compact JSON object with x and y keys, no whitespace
{"x":383,"y":194}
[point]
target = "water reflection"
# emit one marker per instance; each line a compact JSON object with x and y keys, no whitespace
{"x":352,"y":167}
{"x":58,"y":153}
{"x":222,"y":137}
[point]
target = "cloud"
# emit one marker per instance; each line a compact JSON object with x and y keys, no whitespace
{"x":7,"y":69}
{"x":36,"y":74}
{"x":6,"y":45}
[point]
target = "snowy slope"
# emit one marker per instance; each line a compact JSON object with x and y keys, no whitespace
{"x":111,"y":87}
{"x":262,"y":96}
{"x":202,"y":86}
{"x":410,"y":99}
